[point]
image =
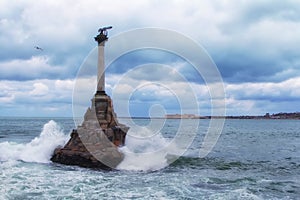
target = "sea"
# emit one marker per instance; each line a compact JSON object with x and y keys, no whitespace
{"x":252,"y":159}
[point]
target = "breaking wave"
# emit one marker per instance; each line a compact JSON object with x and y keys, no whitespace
{"x":144,"y":151}
{"x":39,"y":149}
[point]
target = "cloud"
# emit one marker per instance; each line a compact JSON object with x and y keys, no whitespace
{"x":239,"y":35}
{"x":259,"y":41}
{"x":35,"y":98}
{"x":254,"y":44}
{"x":138,"y":96}
{"x":241,"y":98}
{"x":64,"y":85}
{"x":37,"y":67}
{"x":259,"y":98}
{"x":286,"y":90}
{"x":40,"y":89}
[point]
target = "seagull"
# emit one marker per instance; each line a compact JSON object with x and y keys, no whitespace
{"x":39,"y":48}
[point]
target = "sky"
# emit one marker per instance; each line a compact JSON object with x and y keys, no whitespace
{"x":254,"y":45}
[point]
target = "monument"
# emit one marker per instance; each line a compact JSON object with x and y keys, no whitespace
{"x":95,"y":142}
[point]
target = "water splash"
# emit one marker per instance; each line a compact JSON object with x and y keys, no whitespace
{"x":142,"y":153}
{"x":37,"y":150}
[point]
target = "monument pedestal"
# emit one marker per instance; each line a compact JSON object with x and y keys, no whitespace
{"x":95,"y":143}
{"x":107,"y":119}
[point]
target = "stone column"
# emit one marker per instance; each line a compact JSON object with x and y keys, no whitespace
{"x":101,"y":68}
{"x":101,"y":39}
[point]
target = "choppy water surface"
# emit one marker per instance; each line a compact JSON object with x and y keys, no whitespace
{"x":253,"y":159}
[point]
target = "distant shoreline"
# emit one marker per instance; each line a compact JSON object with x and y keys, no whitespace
{"x":281,"y":115}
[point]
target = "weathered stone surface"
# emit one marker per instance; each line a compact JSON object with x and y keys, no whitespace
{"x":75,"y":153}
{"x":95,"y":143}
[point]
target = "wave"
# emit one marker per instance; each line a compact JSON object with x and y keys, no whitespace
{"x":223,"y":164}
{"x":218,"y":163}
{"x":144,"y":150}
{"x":39,"y":149}
{"x":209,"y":162}
{"x":141,"y":153}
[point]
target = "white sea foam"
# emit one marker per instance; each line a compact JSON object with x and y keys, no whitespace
{"x":144,"y":151}
{"x":39,"y":149}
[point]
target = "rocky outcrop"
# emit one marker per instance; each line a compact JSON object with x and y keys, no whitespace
{"x":75,"y":153}
{"x":95,"y":143}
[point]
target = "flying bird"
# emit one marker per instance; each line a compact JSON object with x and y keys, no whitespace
{"x":39,"y":48}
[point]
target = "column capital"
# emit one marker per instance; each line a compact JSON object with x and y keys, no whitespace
{"x":101,"y":38}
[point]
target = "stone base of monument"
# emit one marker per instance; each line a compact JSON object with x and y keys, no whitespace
{"x":95,"y":143}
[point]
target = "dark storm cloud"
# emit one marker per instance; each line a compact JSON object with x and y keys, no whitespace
{"x":141,"y":57}
{"x":156,"y":65}
{"x":243,"y":67}
{"x":259,"y":41}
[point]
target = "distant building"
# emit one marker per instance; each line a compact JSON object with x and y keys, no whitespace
{"x":179,"y":116}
